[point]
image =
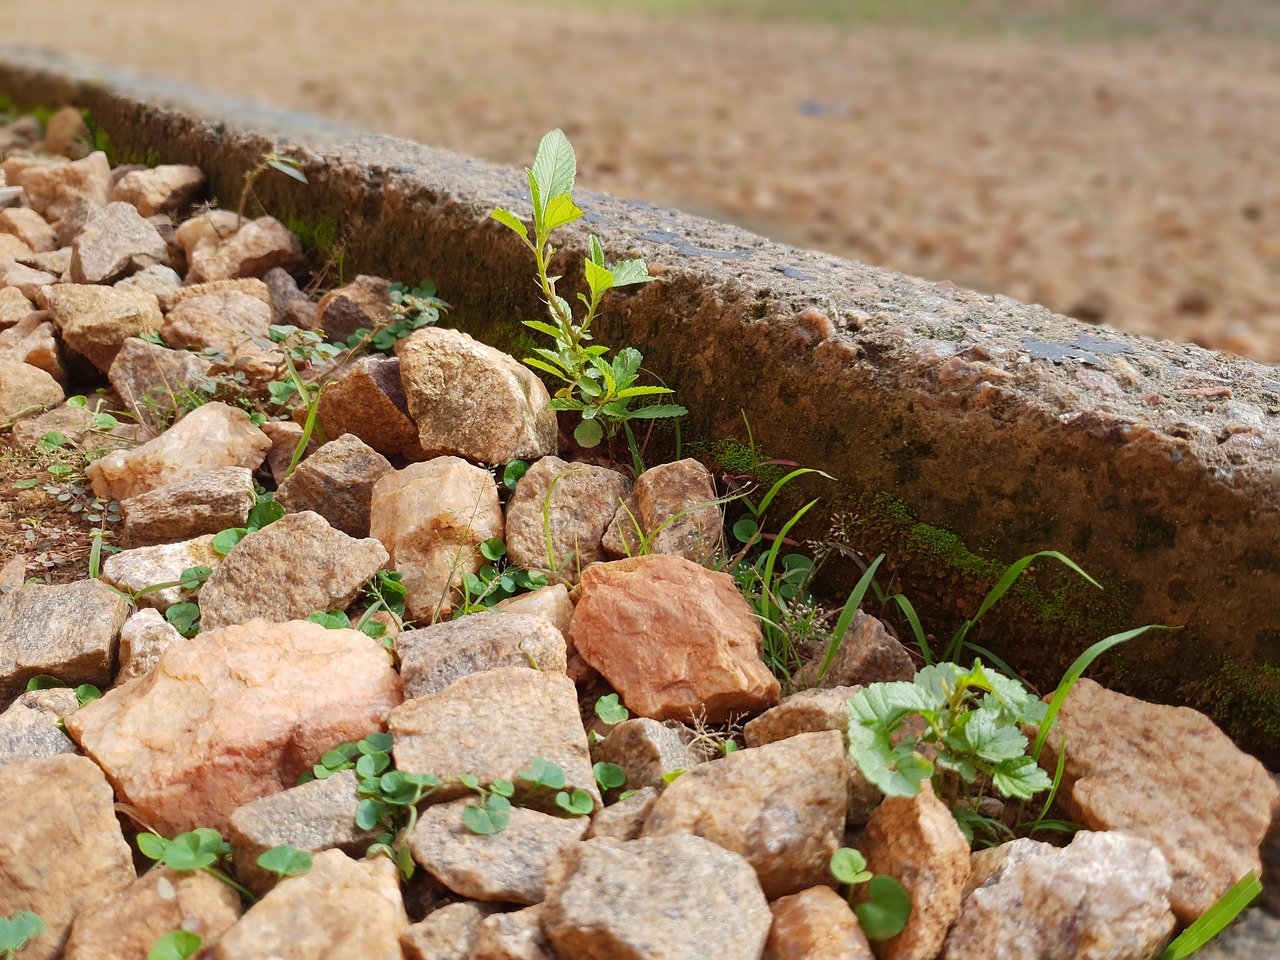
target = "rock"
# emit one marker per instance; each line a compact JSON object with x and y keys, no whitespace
{"x":808,"y":711}
{"x":227,"y":323}
{"x":314,"y":816}
{"x":509,"y":866}
{"x":674,"y":505}
{"x":817,"y":924}
{"x":168,"y":188}
{"x":287,"y":571}
{"x":25,"y":390}
{"x":578,"y":507}
{"x":867,"y":654}
{"x":247,"y":285}
{"x":125,"y":925}
{"x":136,"y":570}
{"x":449,"y":933}
{"x":625,"y":819}
{"x":207,"y":503}
{"x":72,"y":422}
{"x":62,"y":129}
{"x":283,"y":288}
{"x":95,"y":321}
{"x":32,"y":341}
{"x":513,"y":936}
{"x":144,"y":636}
{"x":361,"y":303}
{"x":916,"y":841}
{"x":433,"y":657}
{"x":1104,"y":897}
{"x":658,"y":898}
{"x":29,"y":728}
{"x":470,"y":400}
{"x":1209,"y":835}
{"x":337,"y":483}
{"x":19,"y":134}
{"x":673,"y":638}
{"x":115,"y":241}
{"x":432,"y":517}
{"x":492,"y":724}
{"x":68,"y":630}
{"x":780,"y":806}
{"x":14,"y":307}
{"x":368,"y":400}
{"x":14,"y":572}
{"x":552,"y":603}
{"x":155,"y":382}
{"x":233,"y":715}
{"x":56,"y":190}
{"x":157,"y":279}
{"x":208,"y":229}
{"x":56,"y":262}
{"x":646,"y":750}
{"x":60,"y":845}
{"x":11,"y":248}
{"x":251,"y":251}
{"x":29,"y":227}
{"x":285,"y":435}
{"x":341,"y":908}
{"x":212,"y":436}
{"x":27,"y":281}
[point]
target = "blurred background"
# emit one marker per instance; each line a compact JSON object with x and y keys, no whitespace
{"x":1116,"y":161}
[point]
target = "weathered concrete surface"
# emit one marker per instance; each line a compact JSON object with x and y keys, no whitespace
{"x":1012,"y":428}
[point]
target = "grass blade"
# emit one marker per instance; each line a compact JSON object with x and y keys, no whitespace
{"x":1215,"y":919}
{"x":766,"y":580}
{"x":917,"y":628}
{"x":777,"y":487}
{"x":847,"y":614}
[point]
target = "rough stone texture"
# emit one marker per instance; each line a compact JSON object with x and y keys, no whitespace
{"x":433,"y":657}
{"x":916,"y":841}
{"x":673,"y":638}
{"x":361,"y":303}
{"x":11,"y":248}
{"x":513,"y":936}
{"x":14,"y":571}
{"x":1205,"y":804}
{"x":625,"y":819}
{"x":152,"y":380}
{"x":14,"y":307}
{"x":645,"y":750}
{"x":658,"y":898}
{"x":492,"y":724}
{"x":29,"y":282}
{"x":285,"y":435}
{"x":135,"y":570}
{"x":116,"y":241}
{"x":867,"y":654}
{"x":337,"y":483}
{"x":314,"y":816}
{"x":552,"y":603}
{"x":125,"y":925}
{"x":25,"y":390}
{"x":60,"y":844}
{"x":808,"y":711}
{"x":156,"y":279}
{"x":68,"y":630}
{"x":168,"y":188}
{"x":55,"y":190}
{"x":341,"y":908}
{"x":251,"y":251}
{"x":432,"y":517}
{"x":1104,"y":897}
{"x":209,"y":502}
{"x":95,"y":321}
{"x":287,"y":571}
{"x":673,"y":505}
{"x":29,"y":227}
{"x":579,"y":508}
{"x":508,"y":867}
{"x":284,"y":289}
{"x":144,"y":636}
{"x":446,"y":934}
{"x":31,"y":341}
{"x":214,"y":435}
{"x":234,"y":715}
{"x":368,"y":400}
{"x":780,"y":806}
{"x":473,"y":401}
{"x":816,"y":924}
{"x":56,"y":262}
{"x":72,"y":422}
{"x":226,"y":322}
{"x":250,"y":285}
{"x":62,"y":128}
{"x":29,"y":728}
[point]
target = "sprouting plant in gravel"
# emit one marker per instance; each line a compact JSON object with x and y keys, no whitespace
{"x":16,"y":931}
{"x":492,"y":812}
{"x":884,"y":908}
{"x":411,"y":309}
{"x":270,"y":160}
{"x":598,"y":389}
{"x":176,"y":945}
{"x":338,"y":620}
{"x":265,"y":511}
{"x":495,"y":581}
{"x":383,"y":591}
{"x":285,"y":860}
{"x":199,"y":849}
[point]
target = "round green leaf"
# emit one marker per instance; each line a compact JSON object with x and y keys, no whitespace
{"x":609,"y":775}
{"x":577,"y":804}
{"x":376,"y":743}
{"x":588,"y":433}
{"x":849,"y":866}
{"x":152,"y":845}
{"x":285,"y":861}
{"x":542,"y":772}
{"x":610,"y":710}
{"x":886,"y":911}
{"x":18,"y":929}
{"x":175,"y":945}
{"x":187,"y":852}
{"x":183,"y":617}
{"x":86,"y":693}
{"x":225,"y":540}
{"x":490,"y":818}
{"x":43,"y":681}
{"x":745,"y":529}
{"x":513,"y":472}
{"x":369,"y":812}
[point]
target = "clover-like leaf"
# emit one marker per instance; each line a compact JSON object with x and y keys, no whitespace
{"x":850,"y":866}
{"x":541,"y":772}
{"x":183,"y":617}
{"x":369,"y":812}
{"x":610,"y":776}
{"x":264,"y":512}
{"x":609,"y":710}
{"x":576,"y":804}
{"x":488,"y":818}
{"x":224,"y":541}
{"x":493,"y":549}
{"x":335,"y":620}
{"x":176,"y":945}
{"x":887,"y":909}
{"x":285,"y":860}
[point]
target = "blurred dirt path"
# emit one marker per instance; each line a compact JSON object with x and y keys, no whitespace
{"x":1127,"y":181}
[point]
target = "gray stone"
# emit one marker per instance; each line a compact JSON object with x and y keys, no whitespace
{"x":337,"y":482}
{"x":283,"y":288}
{"x":25,"y":391}
{"x":213,"y":501}
{"x":673,"y":506}
{"x":433,"y":657}
{"x":646,"y":750}
{"x":116,"y":241}
{"x":625,"y":819}
{"x":58,"y":189}
{"x":449,"y":933}
{"x":155,"y":382}
{"x":513,"y":936}
{"x":360,"y":304}
{"x":167,"y":188}
{"x":29,"y":728}
{"x":251,"y":251}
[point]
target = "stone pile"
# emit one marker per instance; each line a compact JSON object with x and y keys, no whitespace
{"x":707,"y":853}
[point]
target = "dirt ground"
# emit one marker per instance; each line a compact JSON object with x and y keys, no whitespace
{"x":1119,"y":168}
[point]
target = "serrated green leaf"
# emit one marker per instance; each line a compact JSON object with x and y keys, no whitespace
{"x":1020,"y":777}
{"x":627,"y":272}
{"x":658,"y":411}
{"x":511,"y":220}
{"x":595,"y":252}
{"x":642,"y":391}
{"x":285,"y":860}
{"x":987,"y":734}
{"x":543,"y":327}
{"x":561,"y":211}
{"x":554,"y":166}
{"x":545,"y":367}
{"x":175,"y":945}
{"x":599,"y":279}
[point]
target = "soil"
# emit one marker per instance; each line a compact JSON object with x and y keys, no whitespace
{"x":1114,"y":165}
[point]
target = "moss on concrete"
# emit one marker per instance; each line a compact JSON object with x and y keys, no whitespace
{"x":1243,"y":698}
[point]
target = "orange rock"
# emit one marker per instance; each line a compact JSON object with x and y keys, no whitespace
{"x":815,"y":924}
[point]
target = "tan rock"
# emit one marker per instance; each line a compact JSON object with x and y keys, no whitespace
{"x":115,"y":241}
{"x":155,"y":382}
{"x":32,"y":341}
{"x":434,"y":656}
{"x":368,"y":400}
{"x":233,"y":715}
{"x":14,"y":307}
{"x":552,"y":603}
{"x":56,"y":190}
{"x":816,"y":924}
{"x":646,"y":750}
{"x":337,"y":483}
{"x":140,"y":569}
{"x":29,"y":728}
{"x":285,"y":435}
{"x":673,"y":638}
{"x":1104,"y":897}
{"x":11,"y":248}
{"x":14,"y":571}
{"x":341,"y":908}
{"x":432,"y":517}
{"x":75,"y":423}
{"x":251,"y":286}
{"x":781,"y":806}
{"x":473,"y":401}
{"x":449,"y":933}
{"x":227,"y":322}
{"x":156,"y":279}
{"x":144,"y":636}
{"x":492,"y":724}
{"x":361,"y":303}
{"x":20,"y":134}
{"x":168,"y":188}
{"x":660,"y":898}
{"x":208,"y":503}
{"x":577,"y":500}
{"x":212,"y":436}
{"x":867,"y":654}
{"x":95,"y":321}
{"x":916,"y":841}
{"x":513,"y":936}
{"x":25,"y":280}
{"x":29,"y":227}
{"x":284,"y":289}
{"x":63,"y":128}
{"x":56,"y":262}
{"x":25,"y":390}
{"x":251,"y":251}
{"x":625,"y":819}
{"x":208,"y":229}
{"x":125,"y":925}
{"x":1209,"y":835}
{"x":674,"y":507}
{"x":60,"y":845}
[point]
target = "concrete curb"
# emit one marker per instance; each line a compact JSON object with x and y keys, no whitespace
{"x":964,"y":430}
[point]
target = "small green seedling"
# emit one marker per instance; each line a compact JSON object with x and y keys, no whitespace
{"x":285,"y":860}
{"x":492,"y":812}
{"x":176,"y":945}
{"x":884,"y":908}
{"x":184,"y":617}
{"x":199,"y":849}
{"x":512,"y":473}
{"x":17,"y":931}
{"x":610,"y":710}
{"x":609,"y":776}
{"x":491,"y":815}
{"x":411,"y":309}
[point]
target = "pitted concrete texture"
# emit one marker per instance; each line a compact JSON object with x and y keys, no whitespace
{"x":941,"y":412}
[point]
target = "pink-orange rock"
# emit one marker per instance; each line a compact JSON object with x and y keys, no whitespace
{"x":233,"y":323}
{"x":867,"y":654}
{"x":208,"y":229}
{"x":14,"y":307}
{"x":674,"y":507}
{"x":250,"y":252}
{"x":62,"y":129}
{"x":25,"y":280}
{"x":249,"y":285}
{"x":815,"y":924}
{"x":167,"y":188}
{"x":29,"y":227}
{"x":25,"y":390}
{"x":360,"y":304}
{"x":31,"y":341}
{"x":233,"y":715}
{"x":368,"y":400}
{"x":673,"y":638}
{"x":55,"y":190}
{"x":114,"y":243}
{"x":153,"y":380}
{"x":95,"y":321}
